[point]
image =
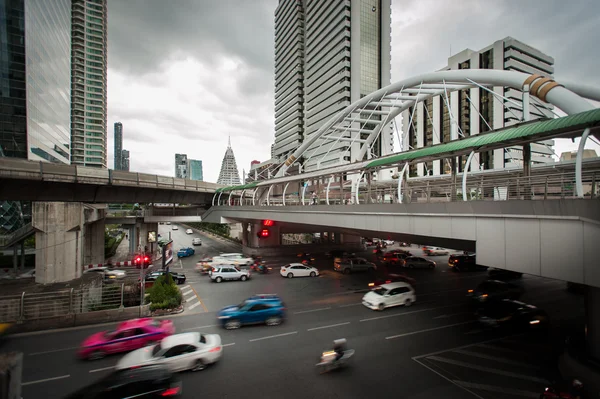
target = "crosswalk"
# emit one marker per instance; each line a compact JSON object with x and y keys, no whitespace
{"x":515,"y":366}
{"x":191,"y":300}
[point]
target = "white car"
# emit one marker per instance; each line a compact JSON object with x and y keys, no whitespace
{"x":219,"y":273}
{"x":389,"y":242}
{"x":174,"y":228}
{"x":196,"y":241}
{"x":436,"y":251}
{"x":388,"y":295}
{"x":189,"y":231}
{"x":298,"y":270}
{"x":233,"y":259}
{"x":188,"y":351}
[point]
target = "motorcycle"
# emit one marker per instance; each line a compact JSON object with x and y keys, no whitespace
{"x":261,"y":268}
{"x":562,"y":391}
{"x":308,"y":262}
{"x":329,"y":363}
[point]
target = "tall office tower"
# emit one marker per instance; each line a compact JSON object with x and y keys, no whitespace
{"x":181,"y":166}
{"x":118,"y":146}
{"x":88,"y":83}
{"x":329,"y":54}
{"x":125,"y":160}
{"x":229,"y":174}
{"x":194,"y":169}
{"x":34,"y":91}
{"x":479,"y":111}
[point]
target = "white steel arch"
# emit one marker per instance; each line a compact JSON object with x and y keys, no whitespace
{"x":390,"y":101}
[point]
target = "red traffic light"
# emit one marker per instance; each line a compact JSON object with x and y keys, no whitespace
{"x":138,"y":259}
{"x":146,"y":259}
{"x":264,"y":233}
{"x":268,"y":223}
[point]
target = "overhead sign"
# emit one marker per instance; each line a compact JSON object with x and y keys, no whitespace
{"x":152,"y":236}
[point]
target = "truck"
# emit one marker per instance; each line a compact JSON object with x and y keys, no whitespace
{"x":351,"y":265}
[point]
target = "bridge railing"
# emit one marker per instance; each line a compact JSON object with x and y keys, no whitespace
{"x":497,"y":187}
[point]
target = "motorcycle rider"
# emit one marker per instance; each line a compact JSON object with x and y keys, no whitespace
{"x":576,"y":388}
{"x":339,"y":347}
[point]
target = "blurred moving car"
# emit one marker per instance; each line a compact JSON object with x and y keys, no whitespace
{"x":298,"y":270}
{"x":144,"y":383}
{"x":185,"y":252}
{"x":174,"y":227}
{"x":128,"y":335}
{"x":495,"y":290}
{"x":435,"y":251}
{"x":188,"y":351}
{"x":204,"y":265}
{"x":392,"y":278}
{"x":416,"y":262}
{"x":107,"y":273}
{"x":395,"y":257}
{"x":189,"y":231}
{"x":179,"y":278}
{"x":258,"y":309}
{"x":196,"y":241}
{"x":388,"y":295}
{"x":463,"y":262}
{"x":4,"y":329}
{"x":237,"y":259}
{"x":512,"y":314}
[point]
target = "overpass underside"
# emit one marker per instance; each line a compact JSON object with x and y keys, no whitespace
{"x":549,"y":238}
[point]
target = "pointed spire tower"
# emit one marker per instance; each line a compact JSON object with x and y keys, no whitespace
{"x":229,"y":175}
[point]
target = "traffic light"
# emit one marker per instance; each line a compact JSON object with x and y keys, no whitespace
{"x":268,"y":223}
{"x":264,"y":233}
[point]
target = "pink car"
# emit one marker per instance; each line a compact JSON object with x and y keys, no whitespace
{"x":129,"y":335}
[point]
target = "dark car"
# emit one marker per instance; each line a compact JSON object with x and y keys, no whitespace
{"x":512,"y":314}
{"x":495,"y":290}
{"x":395,"y":257}
{"x":392,"y":278}
{"x":463,"y":262}
{"x":336,"y":253}
{"x":140,"y":383}
{"x":179,"y":278}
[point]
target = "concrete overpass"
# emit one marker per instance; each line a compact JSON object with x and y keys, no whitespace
{"x":23,"y":180}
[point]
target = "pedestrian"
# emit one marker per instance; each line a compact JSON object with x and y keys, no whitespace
{"x":314,"y":198}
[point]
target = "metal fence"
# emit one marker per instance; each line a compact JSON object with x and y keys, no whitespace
{"x":31,"y":306}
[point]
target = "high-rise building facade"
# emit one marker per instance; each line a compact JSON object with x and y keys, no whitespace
{"x":35,"y":37}
{"x":118,"y":146}
{"x":88,"y":90}
{"x":478,"y":111}
{"x":194,"y":169}
{"x":328,"y":54}
{"x":125,"y":160}
{"x":181,"y":166}
{"x":229,"y":174}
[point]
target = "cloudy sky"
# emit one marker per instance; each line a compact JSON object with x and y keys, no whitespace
{"x":183,"y":75}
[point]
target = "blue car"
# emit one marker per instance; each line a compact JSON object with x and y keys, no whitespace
{"x":185,"y":252}
{"x":265,"y":308}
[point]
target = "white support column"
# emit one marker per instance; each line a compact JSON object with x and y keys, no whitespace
{"x":400,"y":180}
{"x":465,"y":173}
{"x":526,"y":112}
{"x":254,"y":196}
{"x":360,"y":177}
{"x":229,"y":199}
{"x":327,"y":190}
{"x":242,"y":198}
{"x":579,"y":163}
{"x":269,"y":194}
{"x":304,"y":192}
{"x":284,"y":190}
{"x":219,"y":199}
{"x":214,"y":198}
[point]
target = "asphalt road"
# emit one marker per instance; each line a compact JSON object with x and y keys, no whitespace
{"x":432,"y":349}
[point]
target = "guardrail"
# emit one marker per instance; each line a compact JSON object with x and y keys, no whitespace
{"x":35,"y":306}
{"x":481,"y":187}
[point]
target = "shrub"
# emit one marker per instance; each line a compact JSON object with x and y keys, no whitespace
{"x":164,"y":294}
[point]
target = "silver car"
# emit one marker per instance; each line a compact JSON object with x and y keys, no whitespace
{"x":415,"y":262}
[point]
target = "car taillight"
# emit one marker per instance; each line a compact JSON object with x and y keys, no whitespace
{"x":388,"y":281}
{"x":371,"y":284}
{"x":283,"y":270}
{"x":215,"y":349}
{"x":171,"y":392}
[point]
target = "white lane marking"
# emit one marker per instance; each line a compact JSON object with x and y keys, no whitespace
{"x":191,"y":282}
{"x":491,"y":388}
{"x":185,"y":287}
{"x":194,"y":305}
{"x":428,"y":329}
{"x":477,"y":331}
{"x":444,"y":316}
{"x":447,"y":379}
{"x":199,"y":327}
{"x":494,"y":358}
{"x":312,"y":310}
{"x":330,"y":326}
{"x":351,"y":304}
{"x":487,"y":369}
{"x":102,"y":369}
{"x":482,"y":343}
{"x":51,"y":351}
{"x":187,"y":293}
{"x":274,"y":336}
{"x":45,"y":380}
{"x":233,"y":343}
{"x":405,"y":313}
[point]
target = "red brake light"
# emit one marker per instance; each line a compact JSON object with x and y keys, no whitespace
{"x":388,"y":281}
{"x":134,"y":367}
{"x":171,"y":392}
{"x":146,"y":259}
{"x":138,"y":259}
{"x":215,"y":349}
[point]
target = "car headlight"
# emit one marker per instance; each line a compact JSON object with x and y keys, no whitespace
{"x":223,"y":317}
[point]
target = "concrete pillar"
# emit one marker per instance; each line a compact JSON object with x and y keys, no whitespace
{"x":592,"y":324}
{"x":245,"y":234}
{"x":11,"y":370}
{"x":369,"y":176}
{"x":351,"y":242}
{"x":143,"y":229}
{"x":93,"y":251}
{"x":132,"y":240}
{"x":58,"y":241}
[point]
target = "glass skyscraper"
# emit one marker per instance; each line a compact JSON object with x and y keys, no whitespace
{"x":35,"y":74}
{"x":118,"y":146}
{"x":88,"y":94}
{"x":194,"y":169}
{"x":181,"y":166}
{"x":328,"y":54}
